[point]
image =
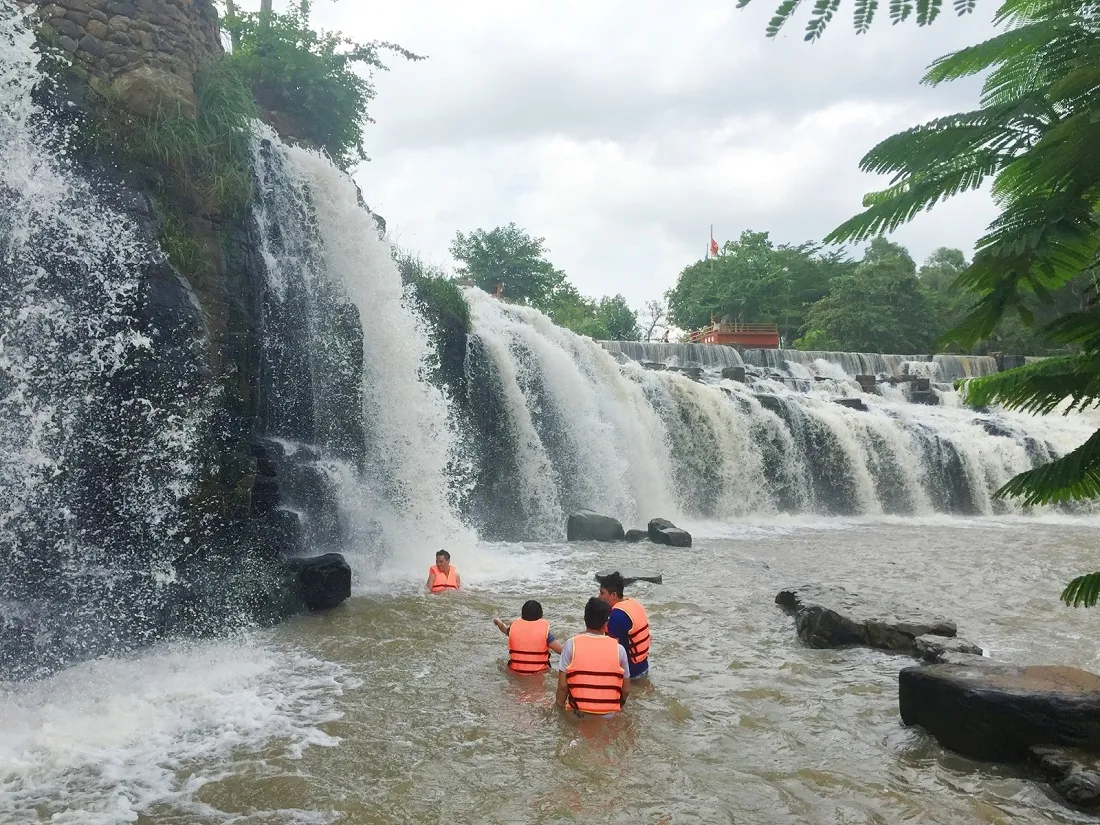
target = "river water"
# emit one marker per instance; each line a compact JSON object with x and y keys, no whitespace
{"x":396,"y":708}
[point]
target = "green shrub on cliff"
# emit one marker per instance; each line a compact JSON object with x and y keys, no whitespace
{"x":310,"y":76}
{"x":203,"y":164}
{"x":445,"y":309}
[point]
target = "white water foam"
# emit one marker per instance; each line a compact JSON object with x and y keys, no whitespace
{"x":403,"y":487}
{"x":105,"y":740}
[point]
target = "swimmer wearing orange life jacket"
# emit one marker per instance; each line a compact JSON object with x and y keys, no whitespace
{"x":529,"y":640}
{"x":442,"y":576}
{"x":593,"y":667}
{"x":628,"y":623}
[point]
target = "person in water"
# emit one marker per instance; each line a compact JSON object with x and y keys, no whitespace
{"x":442,"y":575}
{"x":628,"y":623}
{"x":592,"y":667}
{"x":529,"y":640}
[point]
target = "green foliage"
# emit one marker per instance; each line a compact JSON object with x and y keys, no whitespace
{"x":876,"y":307}
{"x":864,"y":13}
{"x":310,"y":76}
{"x":204,"y":165}
{"x":445,"y":309}
{"x":753,"y":280}
{"x":508,"y":256}
{"x":1084,"y":591}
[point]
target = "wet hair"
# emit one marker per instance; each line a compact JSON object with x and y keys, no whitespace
{"x":613,"y":583}
{"x":596,"y":613}
{"x":444,"y":554}
{"x":532,"y":611}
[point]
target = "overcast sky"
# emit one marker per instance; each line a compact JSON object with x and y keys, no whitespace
{"x":621,"y":135}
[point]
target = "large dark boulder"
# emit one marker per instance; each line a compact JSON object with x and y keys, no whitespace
{"x":588,"y":525}
{"x":833,"y":617}
{"x":663,"y":531}
{"x":998,"y":712}
{"x":324,"y":581}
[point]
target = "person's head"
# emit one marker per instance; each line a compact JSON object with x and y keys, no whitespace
{"x":611,"y":588}
{"x":531,"y":612}
{"x":596,"y":614}
{"x":443,"y":560}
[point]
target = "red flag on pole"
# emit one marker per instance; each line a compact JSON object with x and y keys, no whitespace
{"x":713,"y":246}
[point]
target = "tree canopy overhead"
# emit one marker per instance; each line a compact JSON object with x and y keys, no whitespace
{"x":864,"y":13}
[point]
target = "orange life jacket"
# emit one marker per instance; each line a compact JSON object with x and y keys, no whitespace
{"x":594,"y":676}
{"x":444,"y":582}
{"x":638,"y":649}
{"x":528,"y":651}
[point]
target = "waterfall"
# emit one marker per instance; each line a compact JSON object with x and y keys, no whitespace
{"x":383,"y":437}
{"x":675,"y":355}
{"x":806,"y":363}
{"x":572,"y":426}
{"x":104,"y":405}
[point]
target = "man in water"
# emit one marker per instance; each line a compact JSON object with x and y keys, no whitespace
{"x":529,"y":640}
{"x":592,"y":667}
{"x":442,"y":575}
{"x":628,"y":623}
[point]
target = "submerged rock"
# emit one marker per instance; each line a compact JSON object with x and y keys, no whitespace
{"x":324,"y":581}
{"x":833,"y":617}
{"x":933,"y":648}
{"x":852,"y":403}
{"x":734,"y":373}
{"x":1073,"y":774}
{"x":997,"y":712}
{"x":588,"y":525}
{"x":663,"y":531}
{"x":630,"y":575}
{"x":634,"y":535}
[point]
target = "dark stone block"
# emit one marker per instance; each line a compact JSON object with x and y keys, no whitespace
{"x":998,"y":712}
{"x":663,"y":531}
{"x":634,"y":535}
{"x":630,"y":575}
{"x":587,"y":525}
{"x":325,"y":581}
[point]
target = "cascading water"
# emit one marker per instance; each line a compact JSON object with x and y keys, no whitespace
{"x":103,"y":399}
{"x":638,"y":443}
{"x":384,"y":439}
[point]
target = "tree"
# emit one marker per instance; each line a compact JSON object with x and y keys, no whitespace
{"x":823,"y":11}
{"x":1034,"y":133}
{"x":312,"y":77}
{"x":877,"y":307}
{"x":651,"y":316}
{"x":617,"y":319}
{"x":753,"y":280}
{"x":508,"y":255}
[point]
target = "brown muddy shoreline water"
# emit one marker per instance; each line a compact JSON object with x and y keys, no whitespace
{"x":396,"y":708}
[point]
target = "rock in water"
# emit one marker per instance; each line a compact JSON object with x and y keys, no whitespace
{"x":324,"y":581}
{"x":630,"y":575}
{"x":1073,"y":774}
{"x":934,"y":648}
{"x":997,"y":712}
{"x":663,"y":531}
{"x":587,"y":525}
{"x":633,"y":535}
{"x":833,"y":617}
